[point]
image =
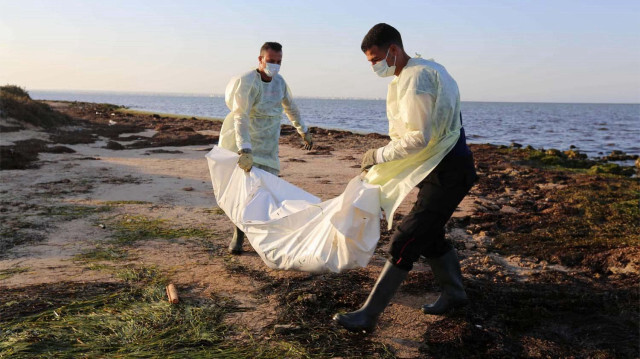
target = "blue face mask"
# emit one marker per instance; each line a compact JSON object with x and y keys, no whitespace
{"x":382,"y":69}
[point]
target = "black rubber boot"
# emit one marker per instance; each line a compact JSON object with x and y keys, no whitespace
{"x":365,"y":318}
{"x":446,"y":270}
{"x":235,"y":247}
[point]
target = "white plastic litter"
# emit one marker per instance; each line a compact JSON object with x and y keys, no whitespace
{"x":292,"y":229}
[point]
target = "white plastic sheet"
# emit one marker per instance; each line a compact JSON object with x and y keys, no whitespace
{"x":292,"y":229}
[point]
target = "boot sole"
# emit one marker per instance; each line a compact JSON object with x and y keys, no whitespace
{"x":447,"y":311}
{"x":365,"y":330}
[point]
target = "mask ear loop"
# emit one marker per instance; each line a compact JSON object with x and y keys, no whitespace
{"x":395,"y":57}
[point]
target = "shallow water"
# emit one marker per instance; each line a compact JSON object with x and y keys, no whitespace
{"x":593,"y":128}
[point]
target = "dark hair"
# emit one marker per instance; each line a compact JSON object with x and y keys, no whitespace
{"x":381,"y":35}
{"x":270,"y":45}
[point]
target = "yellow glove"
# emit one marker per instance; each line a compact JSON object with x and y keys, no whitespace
{"x":369,"y":159}
{"x":246,"y":160}
{"x":308,"y":142}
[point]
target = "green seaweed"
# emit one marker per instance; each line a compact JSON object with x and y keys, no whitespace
{"x":130,"y":229}
{"x":7,"y":273}
{"x":133,"y":320}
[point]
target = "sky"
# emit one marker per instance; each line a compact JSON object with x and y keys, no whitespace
{"x":515,"y":51}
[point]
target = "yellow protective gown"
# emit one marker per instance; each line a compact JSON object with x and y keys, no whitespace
{"x":256,"y":112}
{"x":423,"y":109}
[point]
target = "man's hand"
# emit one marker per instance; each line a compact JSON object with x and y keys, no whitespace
{"x":369,"y":159}
{"x":308,"y":142}
{"x":246,"y":159}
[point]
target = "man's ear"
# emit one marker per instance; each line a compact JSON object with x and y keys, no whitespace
{"x":394,"y":49}
{"x":260,"y":58}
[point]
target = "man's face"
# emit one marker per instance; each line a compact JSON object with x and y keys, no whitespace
{"x":270,"y":56}
{"x":376,"y":54}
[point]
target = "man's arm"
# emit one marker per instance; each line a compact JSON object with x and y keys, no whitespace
{"x":292,"y":112}
{"x":243,"y":98}
{"x":418,"y":108}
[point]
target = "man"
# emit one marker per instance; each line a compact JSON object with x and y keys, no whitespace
{"x":252,"y":128}
{"x":423,"y":109}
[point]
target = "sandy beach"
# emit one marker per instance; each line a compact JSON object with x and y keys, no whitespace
{"x":550,"y":252}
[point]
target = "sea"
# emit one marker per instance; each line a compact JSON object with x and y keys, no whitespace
{"x":594,"y":129}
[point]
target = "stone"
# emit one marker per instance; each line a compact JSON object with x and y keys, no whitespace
{"x":508,"y":210}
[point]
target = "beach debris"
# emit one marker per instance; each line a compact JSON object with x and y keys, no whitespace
{"x":112,"y":122}
{"x":188,"y":189}
{"x":285,"y":328}
{"x":172,"y":294}
{"x":113,"y":145}
{"x":101,"y":225}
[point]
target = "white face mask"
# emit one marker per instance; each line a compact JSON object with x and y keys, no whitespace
{"x":271,"y":70}
{"x":382,"y":69}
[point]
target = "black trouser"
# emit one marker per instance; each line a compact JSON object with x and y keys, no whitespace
{"x":421,"y":232}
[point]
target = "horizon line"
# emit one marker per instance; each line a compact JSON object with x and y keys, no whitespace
{"x":201,"y":94}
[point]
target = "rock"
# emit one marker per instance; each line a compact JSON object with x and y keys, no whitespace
{"x":638,"y":162}
{"x":458,"y":234}
{"x":516,"y":145}
{"x":481,"y":208}
{"x":571,"y":154}
{"x":482,"y":240}
{"x":163,"y":151}
{"x":60,"y":149}
{"x":508,"y":210}
{"x":309,"y":298}
{"x":113,"y":145}
{"x":553,"y":152}
{"x":188,"y":189}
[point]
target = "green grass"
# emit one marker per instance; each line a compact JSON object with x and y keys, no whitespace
{"x":75,"y":211}
{"x":6,"y":273}
{"x":100,"y":253}
{"x":17,"y":104}
{"x":170,"y":115}
{"x":130,"y":229}
{"x":120,"y":203}
{"x":134,"y":320}
{"x":216,"y":210}
{"x":568,"y":160}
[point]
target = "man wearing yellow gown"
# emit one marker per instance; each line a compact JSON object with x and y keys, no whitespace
{"x":257,"y":100}
{"x":427,"y":149}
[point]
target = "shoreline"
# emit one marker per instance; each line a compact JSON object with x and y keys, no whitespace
{"x":615,"y":156}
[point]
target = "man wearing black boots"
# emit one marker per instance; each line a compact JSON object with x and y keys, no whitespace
{"x":257,"y":100}
{"x":421,"y":98}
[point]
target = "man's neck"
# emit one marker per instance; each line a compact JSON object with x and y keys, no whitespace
{"x":264,"y":76}
{"x":402,"y":61}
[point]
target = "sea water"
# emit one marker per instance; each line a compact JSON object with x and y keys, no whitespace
{"x":595,"y":129}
